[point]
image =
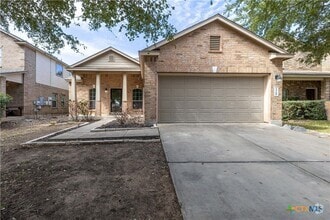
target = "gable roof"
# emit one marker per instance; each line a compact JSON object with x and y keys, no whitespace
{"x":226,"y":21}
{"x":102,"y":52}
{"x":22,"y":42}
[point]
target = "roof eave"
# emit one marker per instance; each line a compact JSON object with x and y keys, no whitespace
{"x":225,"y":21}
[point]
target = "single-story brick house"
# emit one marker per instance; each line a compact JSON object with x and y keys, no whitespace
{"x":214,"y":71}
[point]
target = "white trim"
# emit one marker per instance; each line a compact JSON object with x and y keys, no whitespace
{"x":105,"y":69}
{"x":224,"y":20}
{"x":101,"y":53}
{"x":273,"y":56}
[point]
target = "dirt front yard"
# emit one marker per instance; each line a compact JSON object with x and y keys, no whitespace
{"x":108,"y":181}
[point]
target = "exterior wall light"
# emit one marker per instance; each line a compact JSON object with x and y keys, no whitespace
{"x":278,"y":77}
{"x":214,"y":69}
{"x":106,"y":90}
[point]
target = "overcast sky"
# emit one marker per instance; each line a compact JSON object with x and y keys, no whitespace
{"x":186,"y":13}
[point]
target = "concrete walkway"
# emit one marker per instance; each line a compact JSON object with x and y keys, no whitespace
{"x":247,"y":171}
{"x":84,"y":133}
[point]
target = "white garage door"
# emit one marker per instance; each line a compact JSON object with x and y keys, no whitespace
{"x":210,"y":99}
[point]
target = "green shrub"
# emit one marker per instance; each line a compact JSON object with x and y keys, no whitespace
{"x":4,"y":100}
{"x":314,"y":110}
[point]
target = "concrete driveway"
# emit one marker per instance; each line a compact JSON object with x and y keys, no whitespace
{"x":247,"y":171}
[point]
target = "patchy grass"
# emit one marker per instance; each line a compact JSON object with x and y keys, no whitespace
{"x":315,"y":125}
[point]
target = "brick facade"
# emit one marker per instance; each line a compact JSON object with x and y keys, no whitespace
{"x":108,"y":81}
{"x":190,"y":54}
{"x":296,"y":90}
{"x":23,"y":59}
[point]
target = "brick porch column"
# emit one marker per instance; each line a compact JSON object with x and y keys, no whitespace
{"x":124,"y":91}
{"x":98,"y":95}
{"x":3,"y":89}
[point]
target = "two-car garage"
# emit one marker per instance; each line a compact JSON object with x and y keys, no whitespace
{"x":210,"y":99}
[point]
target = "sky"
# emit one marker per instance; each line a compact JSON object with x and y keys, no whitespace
{"x":186,"y":13}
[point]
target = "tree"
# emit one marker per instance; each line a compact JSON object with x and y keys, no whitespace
{"x":296,"y":25}
{"x":45,"y":21}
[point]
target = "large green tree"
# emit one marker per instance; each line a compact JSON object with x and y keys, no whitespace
{"x":45,"y":21}
{"x":296,"y":25}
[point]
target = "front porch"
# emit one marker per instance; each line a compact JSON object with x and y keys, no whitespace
{"x":110,"y":81}
{"x":109,"y":92}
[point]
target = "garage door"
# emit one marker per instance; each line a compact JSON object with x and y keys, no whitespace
{"x":210,"y":99}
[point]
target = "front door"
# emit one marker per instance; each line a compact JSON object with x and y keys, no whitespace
{"x":116,"y":100}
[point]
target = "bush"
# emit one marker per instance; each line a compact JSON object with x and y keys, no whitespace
{"x":79,"y":108}
{"x":314,"y":110}
{"x":4,"y":100}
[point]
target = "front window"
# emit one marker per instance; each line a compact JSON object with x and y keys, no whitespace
{"x":92,"y":97}
{"x":59,"y":70}
{"x":137,"y":98}
{"x":54,"y":100}
{"x":63,"y":101}
{"x":311,"y":94}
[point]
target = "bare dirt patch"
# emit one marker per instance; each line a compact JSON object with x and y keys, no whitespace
{"x":109,"y":181}
{"x":17,"y":131}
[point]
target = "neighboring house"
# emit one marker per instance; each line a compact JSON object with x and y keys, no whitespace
{"x":34,"y":78}
{"x":306,"y":82}
{"x":214,"y":71}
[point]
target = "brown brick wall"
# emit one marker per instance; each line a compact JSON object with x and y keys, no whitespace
{"x":295,"y":64}
{"x":12,"y":54}
{"x":2,"y":84}
{"x":297,"y":89}
{"x":15,"y":90}
{"x":190,"y":53}
{"x":109,"y":81}
{"x":33,"y":90}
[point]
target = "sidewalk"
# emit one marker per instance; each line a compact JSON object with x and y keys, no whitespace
{"x":84,"y":133}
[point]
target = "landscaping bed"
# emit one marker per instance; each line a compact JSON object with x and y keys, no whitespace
{"x":106,"y":181}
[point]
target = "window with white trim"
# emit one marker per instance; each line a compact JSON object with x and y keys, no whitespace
{"x":92,"y":98}
{"x":137,"y":98}
{"x":54,"y":100}
{"x":59,"y":70}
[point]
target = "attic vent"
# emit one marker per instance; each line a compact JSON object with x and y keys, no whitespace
{"x":111,"y":58}
{"x":215,"y":43}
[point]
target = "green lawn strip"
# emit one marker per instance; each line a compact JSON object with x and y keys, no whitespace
{"x":316,"y":125}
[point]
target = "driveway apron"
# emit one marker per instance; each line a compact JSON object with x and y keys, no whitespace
{"x":247,"y":171}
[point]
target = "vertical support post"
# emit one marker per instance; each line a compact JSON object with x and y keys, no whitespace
{"x":124,"y":104}
{"x":3,"y":90}
{"x":98,"y":95}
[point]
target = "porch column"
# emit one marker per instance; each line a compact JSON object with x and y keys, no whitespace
{"x":3,"y":90}
{"x":72,"y":95}
{"x":124,"y":104}
{"x":98,"y":95}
